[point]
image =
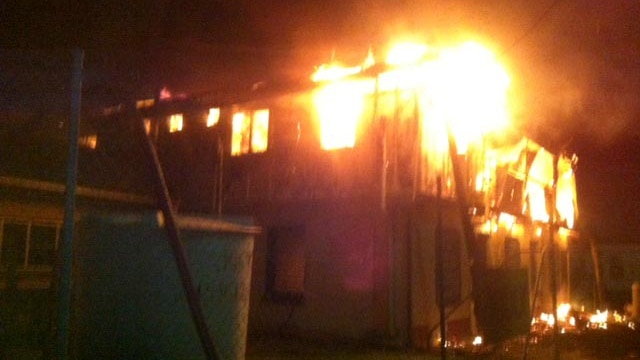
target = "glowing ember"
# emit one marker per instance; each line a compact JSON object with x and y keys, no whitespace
{"x":506,"y":220}
{"x":599,"y":320}
{"x":477,"y":341}
{"x":563,"y":312}
{"x":538,"y":231}
{"x":548,"y":318}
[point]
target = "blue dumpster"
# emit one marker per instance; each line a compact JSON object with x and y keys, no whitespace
{"x":128,"y":298}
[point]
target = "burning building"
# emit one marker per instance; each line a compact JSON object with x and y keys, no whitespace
{"x":356,"y":176}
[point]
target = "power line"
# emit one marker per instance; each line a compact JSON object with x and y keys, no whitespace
{"x":534,"y":26}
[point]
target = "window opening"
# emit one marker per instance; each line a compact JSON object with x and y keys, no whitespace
{"x":250,"y":132}
{"x":213,"y":117}
{"x":286,"y":264}
{"x":14,"y":245}
{"x":42,"y":242}
{"x":175,"y":123}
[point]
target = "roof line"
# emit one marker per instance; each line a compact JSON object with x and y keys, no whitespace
{"x":48,"y":186}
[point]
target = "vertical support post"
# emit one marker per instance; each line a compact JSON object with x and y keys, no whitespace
{"x":463,"y":206}
{"x":417,"y":147}
{"x":635,"y":301}
{"x":383,"y":143}
{"x":64,"y":288}
{"x":569,"y":269}
{"x":440,"y":273}
{"x":473,"y":250}
{"x":595,"y":258}
{"x":220,"y":151}
{"x":553,"y":248}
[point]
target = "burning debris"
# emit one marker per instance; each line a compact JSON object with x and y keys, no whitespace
{"x":578,"y":331}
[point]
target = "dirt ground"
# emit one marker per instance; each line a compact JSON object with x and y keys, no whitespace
{"x":596,"y":345}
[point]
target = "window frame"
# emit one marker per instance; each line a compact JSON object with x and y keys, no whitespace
{"x":245,"y":142}
{"x":25,"y":264}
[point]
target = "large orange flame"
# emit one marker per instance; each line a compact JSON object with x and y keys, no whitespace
{"x":463,"y":89}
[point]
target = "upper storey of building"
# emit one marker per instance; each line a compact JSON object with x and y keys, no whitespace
{"x":384,"y":128}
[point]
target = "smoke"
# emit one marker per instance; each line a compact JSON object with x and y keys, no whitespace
{"x":583,"y":89}
{"x":572,"y":62}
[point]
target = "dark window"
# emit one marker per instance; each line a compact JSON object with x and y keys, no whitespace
{"x":14,"y":239}
{"x":42,"y":245}
{"x":286,"y":264}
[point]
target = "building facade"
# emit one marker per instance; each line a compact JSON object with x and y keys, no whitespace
{"x":356,"y":176}
{"x":384,"y":191}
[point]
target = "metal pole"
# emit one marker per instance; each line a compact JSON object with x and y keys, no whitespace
{"x":64,"y":287}
{"x":596,"y":271}
{"x":220,"y":150}
{"x":179,"y":253}
{"x":554,"y":280}
{"x":440,"y":273}
{"x":568,"y":269}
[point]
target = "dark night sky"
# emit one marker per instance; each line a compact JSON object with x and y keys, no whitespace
{"x":575,"y":64}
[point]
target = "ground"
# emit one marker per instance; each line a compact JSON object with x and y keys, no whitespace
{"x":611,"y":344}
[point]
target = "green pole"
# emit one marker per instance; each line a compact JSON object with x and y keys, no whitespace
{"x":64,"y":286}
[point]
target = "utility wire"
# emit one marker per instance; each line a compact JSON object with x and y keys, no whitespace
{"x":534,"y":26}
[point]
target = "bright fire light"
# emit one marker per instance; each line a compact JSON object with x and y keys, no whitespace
{"x":406,"y":53}
{"x":213,"y":117}
{"x":340,"y":106}
{"x":240,"y":124}
{"x":470,"y":87}
{"x":175,"y":123}
{"x":563,"y":311}
{"x":566,"y":192}
{"x":260,"y":130}
{"x":334,"y":72}
{"x":599,"y":319}
{"x":477,"y":341}
{"x":548,"y":318}
{"x":464,"y":88}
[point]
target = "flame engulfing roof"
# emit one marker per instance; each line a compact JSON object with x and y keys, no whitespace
{"x":463,"y":88}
